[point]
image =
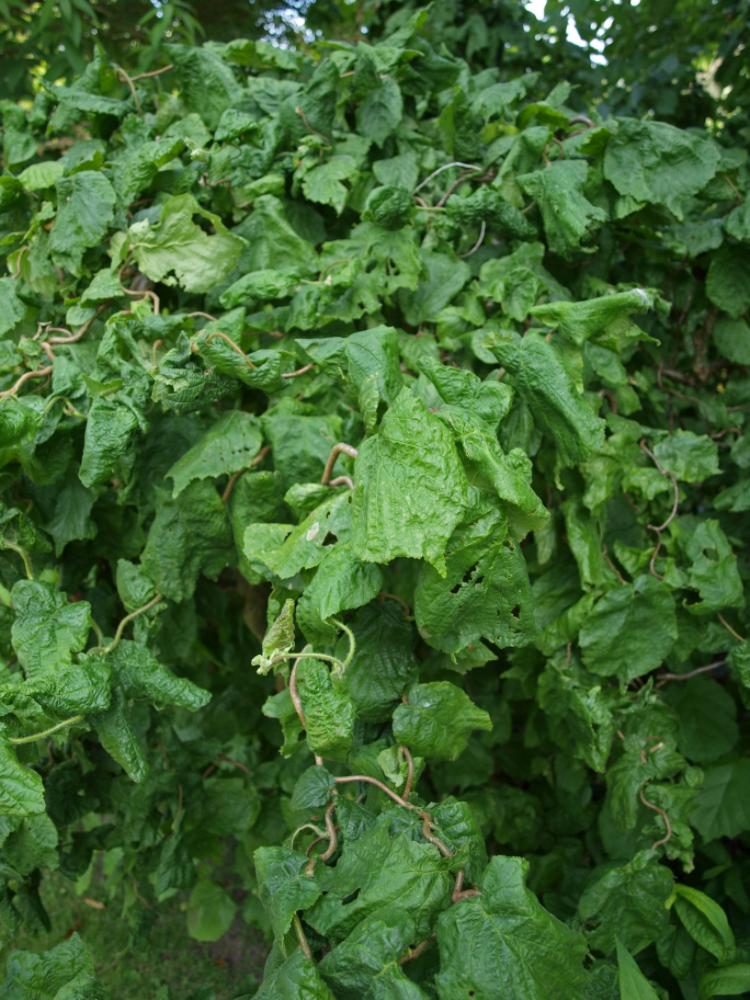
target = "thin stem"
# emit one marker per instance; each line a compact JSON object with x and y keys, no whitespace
{"x":233,"y":478}
{"x":331,"y":829}
{"x":298,"y":371}
{"x":445,"y":166}
{"x":340,"y":448}
{"x":5,"y":543}
{"x":406,"y":753}
{"x":349,"y":778}
{"x":200,"y":315}
{"x":663,"y":679}
{"x":733,"y":632}
{"x":129,"y":618}
{"x":38,"y":373}
{"x":343,"y":481}
{"x":665,"y":819}
{"x":303,"y":942}
{"x":17,"y":740}
{"x":294,"y":695}
{"x":479,"y":242}
{"x":152,"y":72}
{"x":131,"y":87}
{"x":416,"y":951}
{"x":230,"y":485}
{"x":145,"y":293}
{"x":70,"y":338}
{"x":311,"y":128}
{"x":352,"y":643}
{"x":235,"y":347}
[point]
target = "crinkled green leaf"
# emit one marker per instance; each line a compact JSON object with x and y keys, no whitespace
{"x":437,"y":720}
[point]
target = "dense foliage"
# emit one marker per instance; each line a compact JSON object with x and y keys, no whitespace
{"x":375,"y":458}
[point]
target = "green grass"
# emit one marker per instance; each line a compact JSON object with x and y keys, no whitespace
{"x":136,"y":964}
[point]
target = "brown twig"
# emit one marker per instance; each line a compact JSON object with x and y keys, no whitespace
{"x":71,"y":338}
{"x":303,"y":942}
{"x":340,"y":448}
{"x":349,"y":778}
{"x":200,"y":315}
{"x":658,"y":529}
{"x":145,"y":293}
{"x":665,"y":819}
{"x":23,"y":379}
{"x":230,"y":485}
{"x":131,"y":87}
{"x":416,"y":951}
{"x":665,"y":678}
{"x":343,"y":481}
{"x":479,"y":242}
{"x":152,"y":72}
{"x":733,"y":632}
{"x":129,"y":618}
{"x":331,"y":830}
{"x":406,"y":753}
{"x":298,"y":371}
{"x":311,"y":128}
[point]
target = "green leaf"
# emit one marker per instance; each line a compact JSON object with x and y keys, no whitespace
{"x":323,"y":184}
{"x":133,"y":586}
{"x":11,"y":306}
{"x":291,"y":979}
{"x":732,"y":340}
{"x":141,"y":675}
{"x":279,"y":638}
{"x":210,"y":911}
{"x":630,"y":630}
{"x":47,"y":630}
{"x":64,"y":972}
{"x":189,"y":536}
{"x":633,"y":984}
{"x":411,"y":490}
{"x":230,"y":445}
{"x":382,"y":869}
{"x":120,"y":740}
{"x":21,"y":789}
{"x":341,"y":582}
{"x":445,"y":277}
{"x":722,"y":807}
{"x":729,"y":981}
{"x":713,"y":571}
{"x":518,"y":949}
{"x":603,"y":319}
{"x":726,"y":284}
{"x":85,"y":211}
{"x":654,"y":162}
{"x":705,"y":921}
{"x":485,"y":593}
{"x":383,"y":665}
{"x":284,"y":886}
{"x":177,"y":251}
{"x":708,"y":719}
{"x":108,"y":443}
{"x":691,"y":458}
{"x":329,"y":714}
{"x":567,"y":213}
{"x":313,"y":789}
{"x":71,"y":520}
{"x":542,"y":380}
{"x":626,"y":904}
{"x":437,"y":720}
{"x":372,"y":952}
{"x":379,"y":113}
